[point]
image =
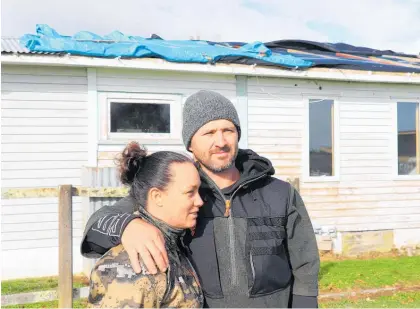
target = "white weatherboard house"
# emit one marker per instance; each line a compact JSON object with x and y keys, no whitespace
{"x":350,"y":136}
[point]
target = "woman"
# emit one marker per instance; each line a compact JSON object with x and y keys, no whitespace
{"x":165,"y":186}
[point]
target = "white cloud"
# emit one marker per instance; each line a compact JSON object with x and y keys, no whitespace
{"x":382,"y":24}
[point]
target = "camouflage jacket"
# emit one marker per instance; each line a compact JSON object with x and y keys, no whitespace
{"x":114,"y":284}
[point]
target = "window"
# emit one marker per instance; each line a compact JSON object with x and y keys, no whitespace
{"x":408,"y":136}
{"x":321,"y":138}
{"x":149,"y":118}
{"x":140,"y":118}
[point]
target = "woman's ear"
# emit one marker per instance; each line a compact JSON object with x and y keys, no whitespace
{"x":155,"y":196}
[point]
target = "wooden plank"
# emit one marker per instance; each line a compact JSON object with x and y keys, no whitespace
{"x":373,"y":212}
{"x":39,"y":173}
{"x":275,"y":118}
{"x":364,"y":143}
{"x":36,"y":235}
{"x":44,"y":79}
{"x":366,"y":122}
{"x":41,"y":165}
{"x":275,"y":133}
{"x":65,"y":279}
{"x":118,"y":73}
{"x":44,"y":156}
{"x":44,"y":130}
{"x":274,"y":141}
{"x":54,"y":192}
{"x":366,"y":115}
{"x":42,"y":70}
{"x":355,"y":108}
{"x":280,"y":110}
{"x":43,"y":105}
{"x":365,"y":129}
{"x":133,"y":83}
{"x":35,"y":209}
{"x":44,"y":96}
{"x":44,"y":122}
{"x":34,"y":218}
{"x":360,"y":206}
{"x":40,"y":113}
{"x":277,"y":104}
{"x":38,"y":226}
{"x":275,"y":126}
{"x":39,"y":183}
{"x":35,"y":297}
{"x":360,"y":170}
{"x":47,"y":147}
{"x":46,"y":88}
{"x":373,"y":150}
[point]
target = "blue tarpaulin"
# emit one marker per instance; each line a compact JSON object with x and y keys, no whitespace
{"x":117,"y":44}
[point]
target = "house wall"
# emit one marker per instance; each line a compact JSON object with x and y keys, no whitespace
{"x":48,"y":113}
{"x":44,"y":144}
{"x":367,"y":195}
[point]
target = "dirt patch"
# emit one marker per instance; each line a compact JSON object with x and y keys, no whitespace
{"x":327,"y":256}
{"x":362,"y":294}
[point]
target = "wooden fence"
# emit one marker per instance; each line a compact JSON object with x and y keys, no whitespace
{"x":65,"y":195}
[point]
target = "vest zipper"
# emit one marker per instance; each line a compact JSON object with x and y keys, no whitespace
{"x":228,"y":212}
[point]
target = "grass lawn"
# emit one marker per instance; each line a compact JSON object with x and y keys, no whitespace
{"x":398,"y":300}
{"x":342,"y":275}
{"x":78,"y":303}
{"x":375,"y":273}
{"x":37,"y":284}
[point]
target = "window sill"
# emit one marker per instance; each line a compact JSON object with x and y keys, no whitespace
{"x":321,"y":179}
{"x":149,"y":141}
{"x":406,"y":177}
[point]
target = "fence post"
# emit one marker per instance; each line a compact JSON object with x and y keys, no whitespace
{"x":65,"y":256}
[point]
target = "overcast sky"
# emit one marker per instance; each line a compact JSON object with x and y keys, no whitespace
{"x":381,"y":24}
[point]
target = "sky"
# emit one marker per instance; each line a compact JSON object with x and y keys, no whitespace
{"x":380,"y":24}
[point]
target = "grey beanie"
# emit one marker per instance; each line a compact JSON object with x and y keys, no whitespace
{"x":205,"y":106}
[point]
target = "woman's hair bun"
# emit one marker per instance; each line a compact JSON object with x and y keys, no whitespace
{"x":132,"y":159}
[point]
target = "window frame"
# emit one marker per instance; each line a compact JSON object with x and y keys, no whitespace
{"x":397,"y":176}
{"x":174,"y":101}
{"x":335,"y":140}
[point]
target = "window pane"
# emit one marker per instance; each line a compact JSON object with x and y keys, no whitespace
{"x":407,"y":138}
{"x":140,"y":118}
{"x":320,"y":137}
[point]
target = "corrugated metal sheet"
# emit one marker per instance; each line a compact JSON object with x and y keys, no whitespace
{"x":101,"y":177}
{"x":12,"y":45}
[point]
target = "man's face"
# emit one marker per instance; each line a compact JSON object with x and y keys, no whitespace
{"x":215,"y":145}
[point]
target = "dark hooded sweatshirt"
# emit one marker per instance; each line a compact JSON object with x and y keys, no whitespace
{"x":254,"y":245}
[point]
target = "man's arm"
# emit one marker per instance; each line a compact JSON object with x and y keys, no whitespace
{"x":105,"y":226}
{"x":303,"y":254}
{"x":111,"y":225}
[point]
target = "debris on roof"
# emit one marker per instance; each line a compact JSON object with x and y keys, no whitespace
{"x":286,"y":54}
{"x":119,"y":45}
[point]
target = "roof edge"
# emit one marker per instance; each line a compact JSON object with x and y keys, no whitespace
{"x":224,"y":69}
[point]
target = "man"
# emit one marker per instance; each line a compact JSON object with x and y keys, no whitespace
{"x":253,"y":246}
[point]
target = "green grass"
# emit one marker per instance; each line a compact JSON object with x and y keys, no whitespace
{"x":375,"y":273}
{"x":78,"y":303}
{"x":37,"y":284}
{"x":398,"y":300}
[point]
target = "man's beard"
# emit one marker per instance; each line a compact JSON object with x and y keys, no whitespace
{"x":222,"y":168}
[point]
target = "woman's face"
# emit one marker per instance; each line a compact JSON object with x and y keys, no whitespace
{"x":181,"y":201}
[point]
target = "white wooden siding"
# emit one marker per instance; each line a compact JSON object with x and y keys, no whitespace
{"x":138,"y":81}
{"x":44,"y":144}
{"x":367,"y":195}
